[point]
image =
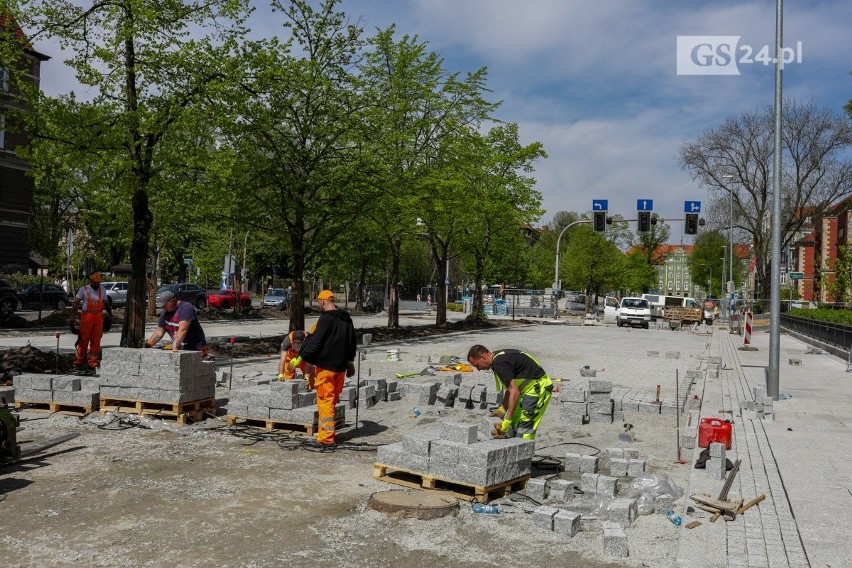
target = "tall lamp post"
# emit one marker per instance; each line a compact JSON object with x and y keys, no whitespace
{"x":710,"y":281}
{"x":731,"y":255}
{"x":556,"y":284}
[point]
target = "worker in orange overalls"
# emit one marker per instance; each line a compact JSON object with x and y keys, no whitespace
{"x":90,"y":300}
{"x":290,"y":349}
{"x":331,"y":348}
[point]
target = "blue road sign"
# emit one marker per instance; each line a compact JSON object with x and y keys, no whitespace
{"x":645,"y":205}
{"x":692,"y":207}
{"x":600,"y":205}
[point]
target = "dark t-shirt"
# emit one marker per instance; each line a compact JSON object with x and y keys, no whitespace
{"x":194,"y":339}
{"x":509,"y":364}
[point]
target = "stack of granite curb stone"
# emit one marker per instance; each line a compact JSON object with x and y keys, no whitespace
{"x":60,"y":389}
{"x":156,"y":375}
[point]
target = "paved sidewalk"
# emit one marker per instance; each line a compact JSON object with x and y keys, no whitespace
{"x":801,"y":461}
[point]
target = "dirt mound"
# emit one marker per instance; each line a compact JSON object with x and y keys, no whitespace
{"x":28,"y":359}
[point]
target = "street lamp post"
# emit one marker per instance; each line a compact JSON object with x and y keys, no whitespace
{"x":731,"y":255}
{"x":710,"y":281}
{"x":724,"y":290}
{"x":556,"y":284}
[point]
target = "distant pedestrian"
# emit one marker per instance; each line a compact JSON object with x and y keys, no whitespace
{"x":331,"y":348}
{"x":65,"y":285}
{"x":429,"y":299}
{"x":418,"y":297}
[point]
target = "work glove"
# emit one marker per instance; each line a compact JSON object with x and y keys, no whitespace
{"x":281,"y":376}
{"x":350,"y":369}
{"x":499,"y":412}
{"x":496,"y":433}
{"x":504,"y":426}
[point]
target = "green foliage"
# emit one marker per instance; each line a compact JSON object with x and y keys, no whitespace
{"x":840,"y":287}
{"x":19,"y":280}
{"x":843,"y":317}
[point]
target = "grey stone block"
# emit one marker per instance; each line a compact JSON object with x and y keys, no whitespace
{"x":488,"y":453}
{"x":688,"y":437}
{"x":623,"y":511}
{"x":537,"y":488}
{"x":615,"y":540}
{"x":663,"y":503}
{"x":284,"y":388}
{"x":83,"y":398}
{"x":566,"y":522}
{"x":614,"y":453}
{"x":599,"y":399}
{"x":33,"y":382}
{"x":572,"y":462}
{"x":238,"y":409}
{"x":561,"y":490}
{"x":307,"y":399}
{"x":580,"y":408}
{"x":394,"y":455}
{"x":543,"y":516}
{"x":417,"y":442}
{"x":717,"y":450}
{"x":66,"y":383}
{"x":716,"y":468}
{"x":120,"y":393}
{"x":672,"y":354}
{"x":486,"y":425}
{"x":574,"y":419}
{"x":653,"y":353}
{"x":588,"y":464}
{"x":588,"y":372}
{"x":631,"y":453}
{"x":600,"y":386}
{"x":618,"y":467}
{"x":795,"y":362}
{"x":606,"y":486}
{"x":635,"y":467}
{"x":444,"y":451}
{"x":589,"y":483}
{"x":258,"y":412}
{"x":306,"y":415}
{"x":453,"y":380}
{"x":394,"y":396}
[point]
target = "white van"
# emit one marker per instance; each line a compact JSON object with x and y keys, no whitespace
{"x":627,"y":311}
{"x":660,"y":302}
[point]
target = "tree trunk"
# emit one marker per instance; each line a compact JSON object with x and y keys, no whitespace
{"x":393,"y":290}
{"x":441,"y":293}
{"x":359,"y":290}
{"x":133,"y":330}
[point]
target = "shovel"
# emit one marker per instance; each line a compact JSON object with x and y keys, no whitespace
{"x":430,"y":370}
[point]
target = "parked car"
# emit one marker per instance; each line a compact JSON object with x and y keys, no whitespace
{"x":227,"y":299}
{"x":276,"y":298}
{"x":634,"y":311}
{"x":116,"y":291}
{"x":43,"y":295}
{"x":192,"y":293}
{"x":8,"y":300}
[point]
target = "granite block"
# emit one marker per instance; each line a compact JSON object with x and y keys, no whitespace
{"x":33,"y":381}
{"x":537,"y":488}
{"x":600,"y":386}
{"x":543,"y":516}
{"x":663,"y":503}
{"x":417,"y":442}
{"x":649,"y":407}
{"x":306,"y":415}
{"x":573,"y":395}
{"x":561,"y":490}
{"x":622,"y":511}
{"x":7,"y":395}
{"x":566,"y":522}
{"x":618,"y":467}
{"x":635,"y":467}
{"x":580,"y":408}
{"x":258,"y":412}
{"x":66,"y":383}
{"x":614,"y":540}
{"x":572,"y":462}
{"x":589,"y":483}
{"x":588,"y":464}
{"x":394,"y":455}
{"x":459,"y":432}
{"x":606,"y":486}
{"x":444,"y":451}
{"x":717,"y":450}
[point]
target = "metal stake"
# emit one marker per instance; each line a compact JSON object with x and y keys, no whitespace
{"x":233,"y":340}
{"x":357,"y":390}
{"x":56,"y":371}
{"x":677,"y":416}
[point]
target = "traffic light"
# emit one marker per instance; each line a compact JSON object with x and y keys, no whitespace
{"x":644,"y":221}
{"x":691,"y":223}
{"x":599,"y":224}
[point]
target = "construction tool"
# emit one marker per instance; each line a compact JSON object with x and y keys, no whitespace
{"x":9,"y":448}
{"x":430,"y":370}
{"x":729,"y":481}
{"x":677,"y":417}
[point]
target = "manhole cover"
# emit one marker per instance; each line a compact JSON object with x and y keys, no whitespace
{"x":413,"y":504}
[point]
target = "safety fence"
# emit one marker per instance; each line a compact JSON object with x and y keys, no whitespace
{"x":831,"y":333}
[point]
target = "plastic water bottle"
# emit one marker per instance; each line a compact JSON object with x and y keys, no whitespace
{"x":416,"y":411}
{"x":670,"y":515}
{"x":483,"y":508}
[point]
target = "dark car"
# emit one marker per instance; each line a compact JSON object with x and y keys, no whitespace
{"x":374,"y":305}
{"x":35,"y":296}
{"x":192,"y":293}
{"x":8,"y":300}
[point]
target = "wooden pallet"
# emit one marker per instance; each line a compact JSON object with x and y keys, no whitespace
{"x":183,"y":412}
{"x":459,"y":489}
{"x":270,"y":425}
{"x":55,"y":407}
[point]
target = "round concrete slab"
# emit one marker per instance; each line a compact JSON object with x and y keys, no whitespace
{"x":414,"y":504}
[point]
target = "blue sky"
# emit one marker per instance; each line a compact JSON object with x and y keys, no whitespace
{"x":596,"y":81}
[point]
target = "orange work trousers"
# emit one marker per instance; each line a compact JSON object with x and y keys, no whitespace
{"x":329,"y":385}
{"x":91,"y":332}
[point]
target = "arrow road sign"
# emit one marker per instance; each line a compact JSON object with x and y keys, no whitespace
{"x":599,"y":204}
{"x":692,"y":207}
{"x":645,"y":205}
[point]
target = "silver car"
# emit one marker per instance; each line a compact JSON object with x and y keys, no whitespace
{"x":117,"y":292}
{"x":276,"y":298}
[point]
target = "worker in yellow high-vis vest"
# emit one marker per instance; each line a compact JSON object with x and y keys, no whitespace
{"x":527,"y":388}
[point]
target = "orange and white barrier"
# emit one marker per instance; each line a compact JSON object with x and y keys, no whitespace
{"x":747,"y":337}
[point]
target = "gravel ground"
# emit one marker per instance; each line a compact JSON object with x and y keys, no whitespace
{"x":207,"y":494}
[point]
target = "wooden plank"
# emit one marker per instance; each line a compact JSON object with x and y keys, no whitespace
{"x":270,"y":425}
{"x":693,"y":524}
{"x":715,"y":503}
{"x":182,"y":412}
{"x":742,"y":509}
{"x":55,"y":407}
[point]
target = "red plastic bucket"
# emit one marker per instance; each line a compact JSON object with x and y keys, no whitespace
{"x":714,"y":430}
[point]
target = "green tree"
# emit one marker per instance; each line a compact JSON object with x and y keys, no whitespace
{"x":706,"y":261}
{"x":148,"y":71}
{"x":416,"y":109}
{"x":593,"y":263}
{"x":840,"y":287}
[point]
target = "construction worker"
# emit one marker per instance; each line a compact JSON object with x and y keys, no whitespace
{"x":290,"y":349}
{"x":90,"y":301}
{"x":179,"y":320}
{"x":527,"y":388}
{"x":330,"y":347}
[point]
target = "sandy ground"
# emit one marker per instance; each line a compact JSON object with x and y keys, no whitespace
{"x":209,"y":495}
